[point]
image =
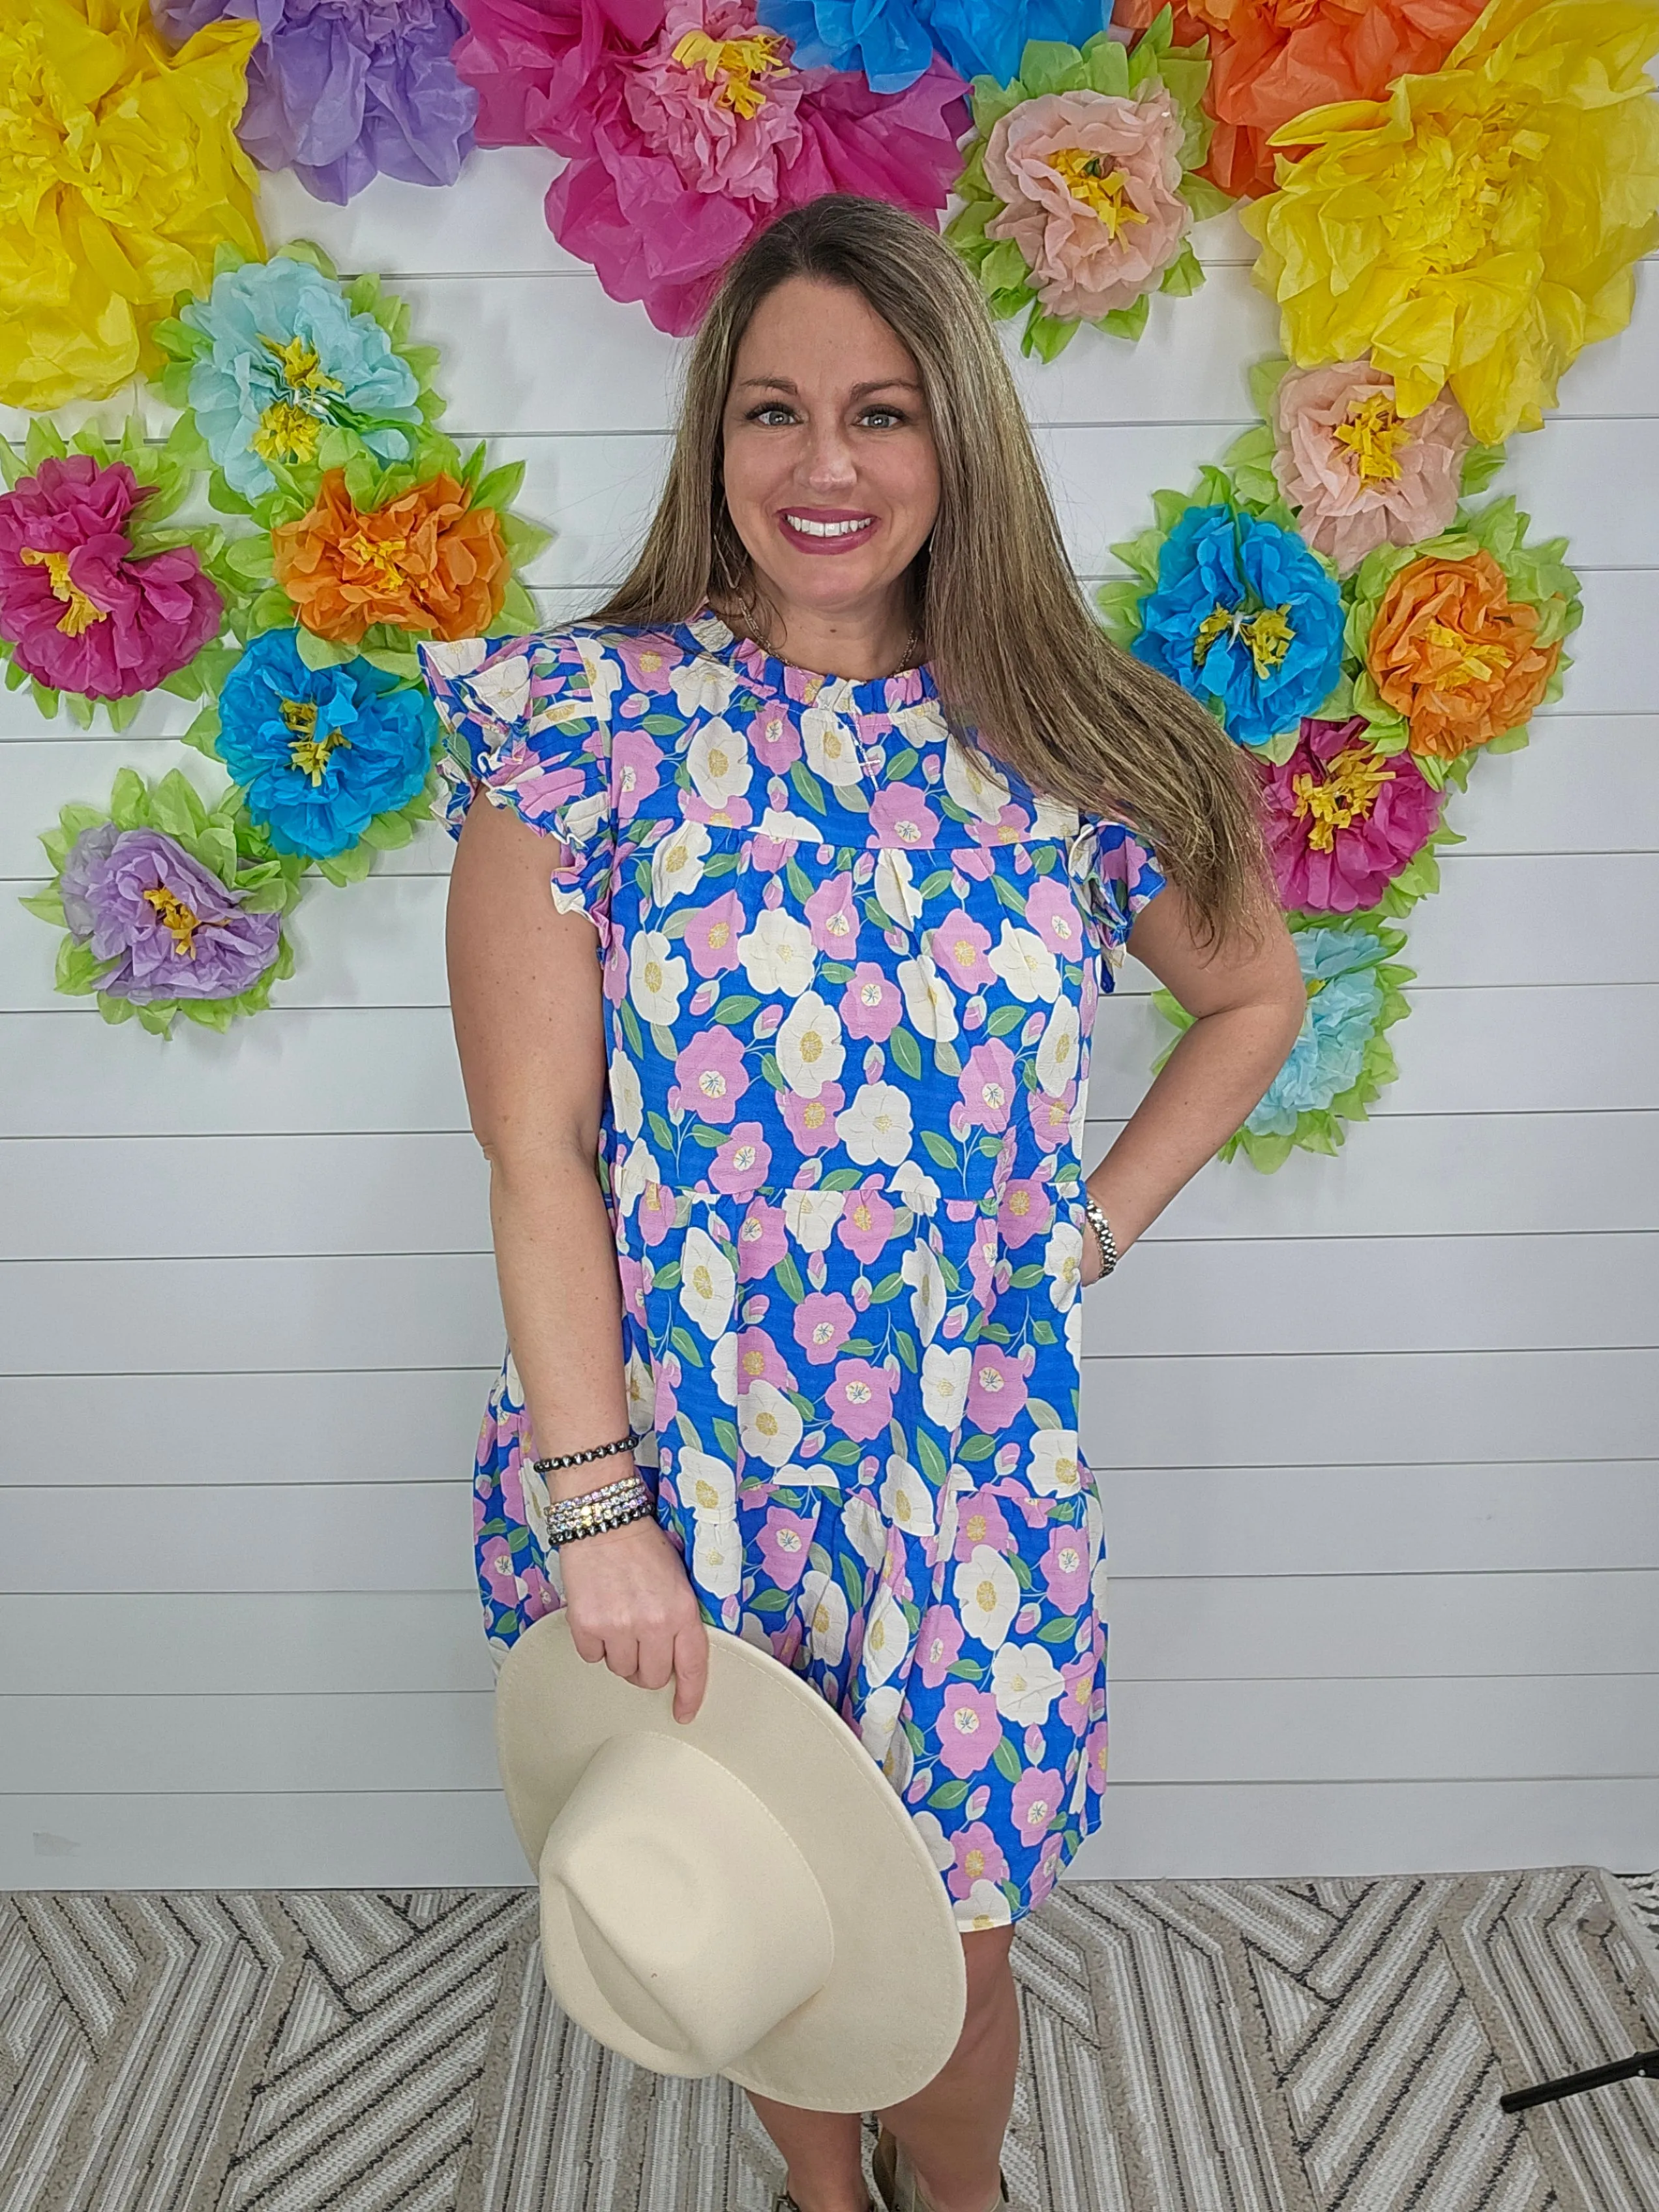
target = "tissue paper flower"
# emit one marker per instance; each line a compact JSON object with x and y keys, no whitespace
{"x":1342,"y":1061}
{"x":320,"y":752}
{"x":339,"y":89}
{"x":279,"y":357}
{"x":1240,"y":613}
{"x":1479,"y":226}
{"x":1077,"y":193}
{"x":429,"y":561}
{"x":169,"y":905}
{"x":892,"y":41}
{"x":688,"y":130}
{"x":1346,"y":827}
{"x":80,"y":610}
{"x":1460,"y":638}
{"x":1273,"y":59}
{"x":119,"y":174}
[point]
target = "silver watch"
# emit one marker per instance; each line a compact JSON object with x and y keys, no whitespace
{"x":1103,"y":1229}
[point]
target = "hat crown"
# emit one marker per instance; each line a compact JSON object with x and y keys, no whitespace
{"x":675,"y":1903}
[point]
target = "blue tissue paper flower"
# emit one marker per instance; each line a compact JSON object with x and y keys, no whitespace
{"x":892,"y":41}
{"x":321,"y":751}
{"x":289,"y":358}
{"x":1245,"y":617}
{"x":1345,"y":999}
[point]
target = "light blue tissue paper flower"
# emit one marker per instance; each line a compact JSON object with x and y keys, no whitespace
{"x":1345,"y":1000}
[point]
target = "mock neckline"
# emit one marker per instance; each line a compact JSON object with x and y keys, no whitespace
{"x":876,"y":695}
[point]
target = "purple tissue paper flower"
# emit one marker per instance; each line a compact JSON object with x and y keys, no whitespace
{"x":177,"y":931}
{"x":338,"y":90}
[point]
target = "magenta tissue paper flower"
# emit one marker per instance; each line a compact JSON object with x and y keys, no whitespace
{"x":1359,"y":474}
{"x":1342,"y":820}
{"x":80,"y":610}
{"x":688,"y":128}
{"x":339,"y":89}
{"x":137,"y":896}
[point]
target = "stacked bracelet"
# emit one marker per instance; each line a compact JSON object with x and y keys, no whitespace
{"x":1103,"y":1229}
{"x":581,"y":1458}
{"x":597,"y":1510}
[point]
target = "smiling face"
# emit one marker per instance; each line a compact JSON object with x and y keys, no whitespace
{"x":830,"y":473}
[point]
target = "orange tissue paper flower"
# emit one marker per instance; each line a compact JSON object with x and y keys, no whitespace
{"x":428,"y":562}
{"x":1456,"y":656}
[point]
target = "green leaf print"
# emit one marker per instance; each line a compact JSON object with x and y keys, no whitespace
{"x":686,"y":1344}
{"x":772,"y":1072}
{"x":668,"y":1278}
{"x":946,"y":1058}
{"x":908,"y":1053}
{"x":1057,"y":1632}
{"x":844,"y":1451}
{"x":966,"y":1670}
{"x":934,"y":885}
{"x":1045,"y":1332}
{"x":1028,"y":1277}
{"x":710,"y":1138}
{"x":808,"y":788}
{"x":630,"y":1022}
{"x":916,"y":1740}
{"x":852,"y":1579}
{"x":972,"y":1448}
{"x":789,"y":1281}
{"x":888,"y":1287}
{"x":663,"y":725}
{"x":1021,"y":1572}
{"x":663,"y":1037}
{"x":932,"y":1459}
{"x":949,"y":1794}
{"x":905,"y":1345}
{"x":798,"y":879}
{"x":843,"y":1179}
{"x":769,"y":1601}
{"x":1043,"y":1414}
{"x":660,"y":1130}
{"x":1006,"y":1018}
{"x":835,"y":971}
{"x":901,"y":764}
{"x":1012,"y":898}
{"x":726,"y":1436}
{"x":735,"y":1009}
{"x":1006,"y":1761}
{"x":939,"y":1149}
{"x":817,"y":1559}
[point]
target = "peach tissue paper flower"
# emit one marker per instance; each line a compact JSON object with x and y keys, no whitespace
{"x":1359,"y":472}
{"x":1453,"y":653}
{"x":428,"y":562}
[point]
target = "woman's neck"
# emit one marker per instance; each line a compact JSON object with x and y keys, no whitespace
{"x":859,"y":644}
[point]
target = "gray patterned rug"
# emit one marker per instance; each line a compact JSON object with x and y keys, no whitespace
{"x":1249,"y":2046}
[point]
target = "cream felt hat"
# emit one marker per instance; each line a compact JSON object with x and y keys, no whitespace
{"x":742,"y":1893}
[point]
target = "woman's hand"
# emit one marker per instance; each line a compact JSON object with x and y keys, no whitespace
{"x":630,"y":1602}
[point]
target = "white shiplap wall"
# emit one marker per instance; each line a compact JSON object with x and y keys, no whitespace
{"x":1378,"y":1431}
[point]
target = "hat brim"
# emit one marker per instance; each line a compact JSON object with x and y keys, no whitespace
{"x":889,"y":2015}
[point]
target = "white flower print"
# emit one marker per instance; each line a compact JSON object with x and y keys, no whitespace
{"x":824,"y":1609}
{"x":717,"y":1557}
{"x":898,"y":1761}
{"x":865,"y":1530}
{"x":913,"y":1187}
{"x":922,"y":724}
{"x":929,"y":1002}
{"x":906,"y":1499}
{"x":830,"y":751}
{"x":1074,"y":1329}
{"x":677,"y":863}
{"x":604,"y":677}
{"x":878,"y":1720}
{"x":987,"y":1593}
{"x":783,"y":827}
{"x":707,"y":1486}
{"x":642,"y":1394}
{"x":944,"y":1379}
{"x":1052,"y":1469}
{"x":886,"y":1639}
{"x":921,"y":1271}
{"x":717,"y":762}
{"x":637,"y":1172}
{"x":778,"y":954}
{"x":768,"y":1424}
{"x":810,"y":1215}
{"x":1094,"y":1517}
{"x":580,"y":818}
{"x":1025,"y":964}
{"x":1053,"y":818}
{"x":627,"y":1099}
{"x":655,"y":977}
{"x":940,"y":1849}
{"x":982,"y":795}
{"x":503,"y":690}
{"x":723,"y":1366}
{"x":810,"y":1048}
{"x":876,"y":1125}
{"x":1063,"y":1261}
{"x":703,"y":686}
{"x":1024,"y":1682}
{"x":708,"y":1282}
{"x":456,"y":656}
{"x":1057,"y":1049}
{"x":984,"y":1906}
{"x":895,"y":887}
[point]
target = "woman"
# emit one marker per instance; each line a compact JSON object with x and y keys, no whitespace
{"x":843,"y":777}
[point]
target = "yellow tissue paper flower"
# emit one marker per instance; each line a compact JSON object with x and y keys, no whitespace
{"x":1477,"y":227}
{"x":119,"y":174}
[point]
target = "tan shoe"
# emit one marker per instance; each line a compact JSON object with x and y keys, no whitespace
{"x":901,"y":2187}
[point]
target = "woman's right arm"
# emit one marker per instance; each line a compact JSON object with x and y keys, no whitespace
{"x":524,"y":990}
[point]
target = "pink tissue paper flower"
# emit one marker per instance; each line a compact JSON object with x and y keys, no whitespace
{"x":1360,"y":474}
{"x":1341,"y":819}
{"x":689,"y":128}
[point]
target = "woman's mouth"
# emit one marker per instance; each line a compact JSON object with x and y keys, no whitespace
{"x":825,"y":529}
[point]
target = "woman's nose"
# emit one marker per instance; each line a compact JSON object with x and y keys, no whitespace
{"x":829,"y":464}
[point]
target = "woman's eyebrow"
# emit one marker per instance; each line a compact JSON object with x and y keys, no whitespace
{"x":859,"y":390}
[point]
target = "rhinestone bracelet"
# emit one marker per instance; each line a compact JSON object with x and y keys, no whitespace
{"x":1103,"y":1229}
{"x":581,"y":1458}
{"x":574,"y":1517}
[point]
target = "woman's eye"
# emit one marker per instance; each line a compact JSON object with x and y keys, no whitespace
{"x":881,"y":418}
{"x":771,"y":417}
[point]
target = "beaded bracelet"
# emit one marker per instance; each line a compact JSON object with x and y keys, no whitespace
{"x":1103,"y":1229}
{"x":570,"y":1518}
{"x":581,"y":1458}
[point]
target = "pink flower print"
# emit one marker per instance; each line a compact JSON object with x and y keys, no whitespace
{"x":759,"y":1360}
{"x":865,"y":1224}
{"x":539,"y":1595}
{"x":968,"y":1729}
{"x":633,"y":1284}
{"x":1010,"y":825}
{"x":1077,"y":1699}
{"x":939,"y":1644}
{"x":495,"y":1570}
{"x":1024,"y":1212}
{"x":1064,"y":1569}
{"x":996,"y":1392}
{"x":1037,"y":1801}
{"x":811,"y":1121}
{"x":987,"y":1085}
{"x":1094,"y":1753}
{"x":650,"y":661}
{"x":784,"y":1539}
{"x":832,"y":915}
{"x":824,"y":1322}
{"x":974,"y":860}
{"x":711,"y":934}
{"x":872,"y":1005}
{"x":1051,"y":1117}
{"x":787,"y":1640}
{"x":654,"y":1212}
{"x":1051,"y":911}
{"x":733,"y":813}
{"x":979,"y":1858}
{"x":979,"y":1521}
{"x":763,"y":1240}
{"x":774,"y":740}
{"x":709,"y":1076}
{"x":959,"y":946}
{"x":983,"y":1255}
{"x":633,"y":771}
{"x":900,"y":817}
{"x":664,"y":1400}
{"x":741,"y":1161}
{"x":859,"y":1400}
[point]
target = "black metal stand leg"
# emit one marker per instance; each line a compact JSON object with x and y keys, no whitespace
{"x":1545,"y":2093}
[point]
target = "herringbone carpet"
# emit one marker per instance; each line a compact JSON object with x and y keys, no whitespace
{"x":1253,"y":2046}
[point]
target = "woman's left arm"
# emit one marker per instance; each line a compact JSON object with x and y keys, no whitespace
{"x":1247,"y":1002}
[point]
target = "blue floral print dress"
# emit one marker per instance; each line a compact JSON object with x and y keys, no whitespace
{"x":850,"y":980}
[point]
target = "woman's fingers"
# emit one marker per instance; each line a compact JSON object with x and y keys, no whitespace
{"x":690,"y":1669}
{"x":621,"y":1656}
{"x":656,"y":1662}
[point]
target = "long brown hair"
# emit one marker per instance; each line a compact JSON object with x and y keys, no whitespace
{"x":1018,"y":660}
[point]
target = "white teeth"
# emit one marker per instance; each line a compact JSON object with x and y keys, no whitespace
{"x":808,"y":528}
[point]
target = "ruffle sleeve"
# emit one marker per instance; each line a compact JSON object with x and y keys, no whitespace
{"x":522,"y":725}
{"x":1115,"y":872}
